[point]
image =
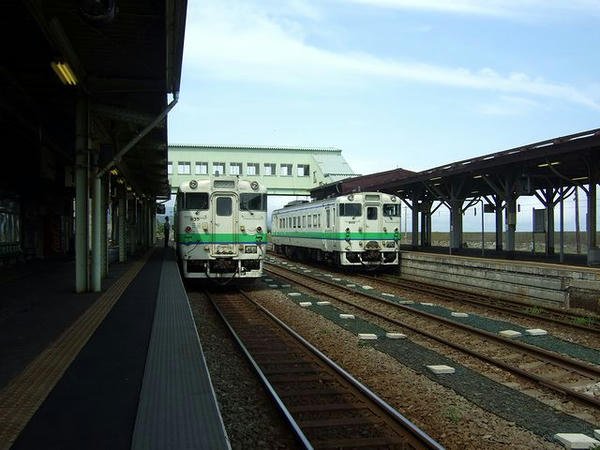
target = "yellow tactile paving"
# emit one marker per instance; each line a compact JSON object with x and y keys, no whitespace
{"x":21,"y":398}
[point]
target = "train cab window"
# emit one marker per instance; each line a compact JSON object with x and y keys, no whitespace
{"x":196,"y":201}
{"x":372,"y":213}
{"x":224,"y":206}
{"x":391,"y":210}
{"x":253,"y":202}
{"x":350,"y":210}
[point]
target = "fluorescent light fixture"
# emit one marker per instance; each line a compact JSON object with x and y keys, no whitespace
{"x":555,"y":163}
{"x":64,"y":73}
{"x":579,"y":178}
{"x":478,"y":176}
{"x":114,"y":172}
{"x":435,"y":178}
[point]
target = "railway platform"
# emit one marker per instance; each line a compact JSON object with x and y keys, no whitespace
{"x":123,"y":368}
{"x":541,"y":280}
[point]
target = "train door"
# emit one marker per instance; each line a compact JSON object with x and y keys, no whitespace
{"x":327,"y":231}
{"x":372,"y":220}
{"x":225,"y":227}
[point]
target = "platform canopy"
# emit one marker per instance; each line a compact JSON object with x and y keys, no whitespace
{"x":562,"y":161}
{"x":123,"y":56}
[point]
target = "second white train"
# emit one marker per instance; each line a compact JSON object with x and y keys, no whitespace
{"x":359,"y":229}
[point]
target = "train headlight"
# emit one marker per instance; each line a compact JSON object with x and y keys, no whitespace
{"x":188,"y":229}
{"x":254,"y":185}
{"x":351,"y":197}
{"x":193,"y":184}
{"x":250,"y":249}
{"x":259,"y":229}
{"x":393,"y":198}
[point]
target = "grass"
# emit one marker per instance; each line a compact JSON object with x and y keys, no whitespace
{"x":534,"y":310}
{"x":585,"y":321}
{"x":454,"y":414}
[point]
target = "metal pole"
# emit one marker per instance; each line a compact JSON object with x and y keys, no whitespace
{"x":122,"y":224}
{"x":96,"y":234}
{"x":81,"y":196}
{"x":577,"y":240}
{"x":562,"y":226}
{"x":482,"y":230}
{"x":104,"y":227}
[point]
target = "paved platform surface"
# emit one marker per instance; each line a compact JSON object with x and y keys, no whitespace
{"x":96,"y":402}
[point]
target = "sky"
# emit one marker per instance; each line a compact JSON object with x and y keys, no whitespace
{"x":393,"y":83}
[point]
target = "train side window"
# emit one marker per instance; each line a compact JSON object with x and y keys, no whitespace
{"x":314,"y":219}
{"x":327,"y":218}
{"x":303,"y":221}
{"x":319,"y":220}
{"x":309,"y":221}
{"x":224,"y":206}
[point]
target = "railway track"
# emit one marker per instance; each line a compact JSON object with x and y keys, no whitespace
{"x":514,"y":307}
{"x":323,"y":404}
{"x":547,"y":313}
{"x":557,"y":372}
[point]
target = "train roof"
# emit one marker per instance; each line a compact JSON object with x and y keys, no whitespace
{"x":357,"y":196}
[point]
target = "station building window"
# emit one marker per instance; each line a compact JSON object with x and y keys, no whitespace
{"x":253,"y":169}
{"x":235,"y":168}
{"x":170,"y":168}
{"x":285,"y":170}
{"x":201,"y":168}
{"x":269,"y":169}
{"x":184,"y":168}
{"x":218,"y":167}
{"x":303,"y":170}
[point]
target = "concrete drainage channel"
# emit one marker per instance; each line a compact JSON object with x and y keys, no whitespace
{"x":503,"y":401}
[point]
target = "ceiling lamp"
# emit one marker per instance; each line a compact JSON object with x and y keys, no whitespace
{"x":64,"y":73}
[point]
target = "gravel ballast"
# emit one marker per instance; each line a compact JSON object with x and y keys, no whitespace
{"x":250,"y":416}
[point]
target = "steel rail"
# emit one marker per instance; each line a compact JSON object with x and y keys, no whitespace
{"x":569,"y":364}
{"x":271,"y":391}
{"x":469,"y":297}
{"x":421,"y":437}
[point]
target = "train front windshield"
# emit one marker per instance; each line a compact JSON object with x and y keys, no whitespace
{"x":253,"y":202}
{"x":196,"y":201}
{"x":391,"y":210}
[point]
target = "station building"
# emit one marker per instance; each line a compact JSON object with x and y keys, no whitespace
{"x":283,"y":170}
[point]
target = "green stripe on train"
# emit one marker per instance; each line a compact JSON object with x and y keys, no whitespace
{"x":338,"y":236}
{"x":221,"y":238}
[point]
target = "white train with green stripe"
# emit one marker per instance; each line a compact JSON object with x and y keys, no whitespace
{"x":220,"y":228}
{"x":359,"y":229}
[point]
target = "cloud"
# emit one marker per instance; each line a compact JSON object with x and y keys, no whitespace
{"x":497,"y":8}
{"x":510,"y":106}
{"x":241,"y":43}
